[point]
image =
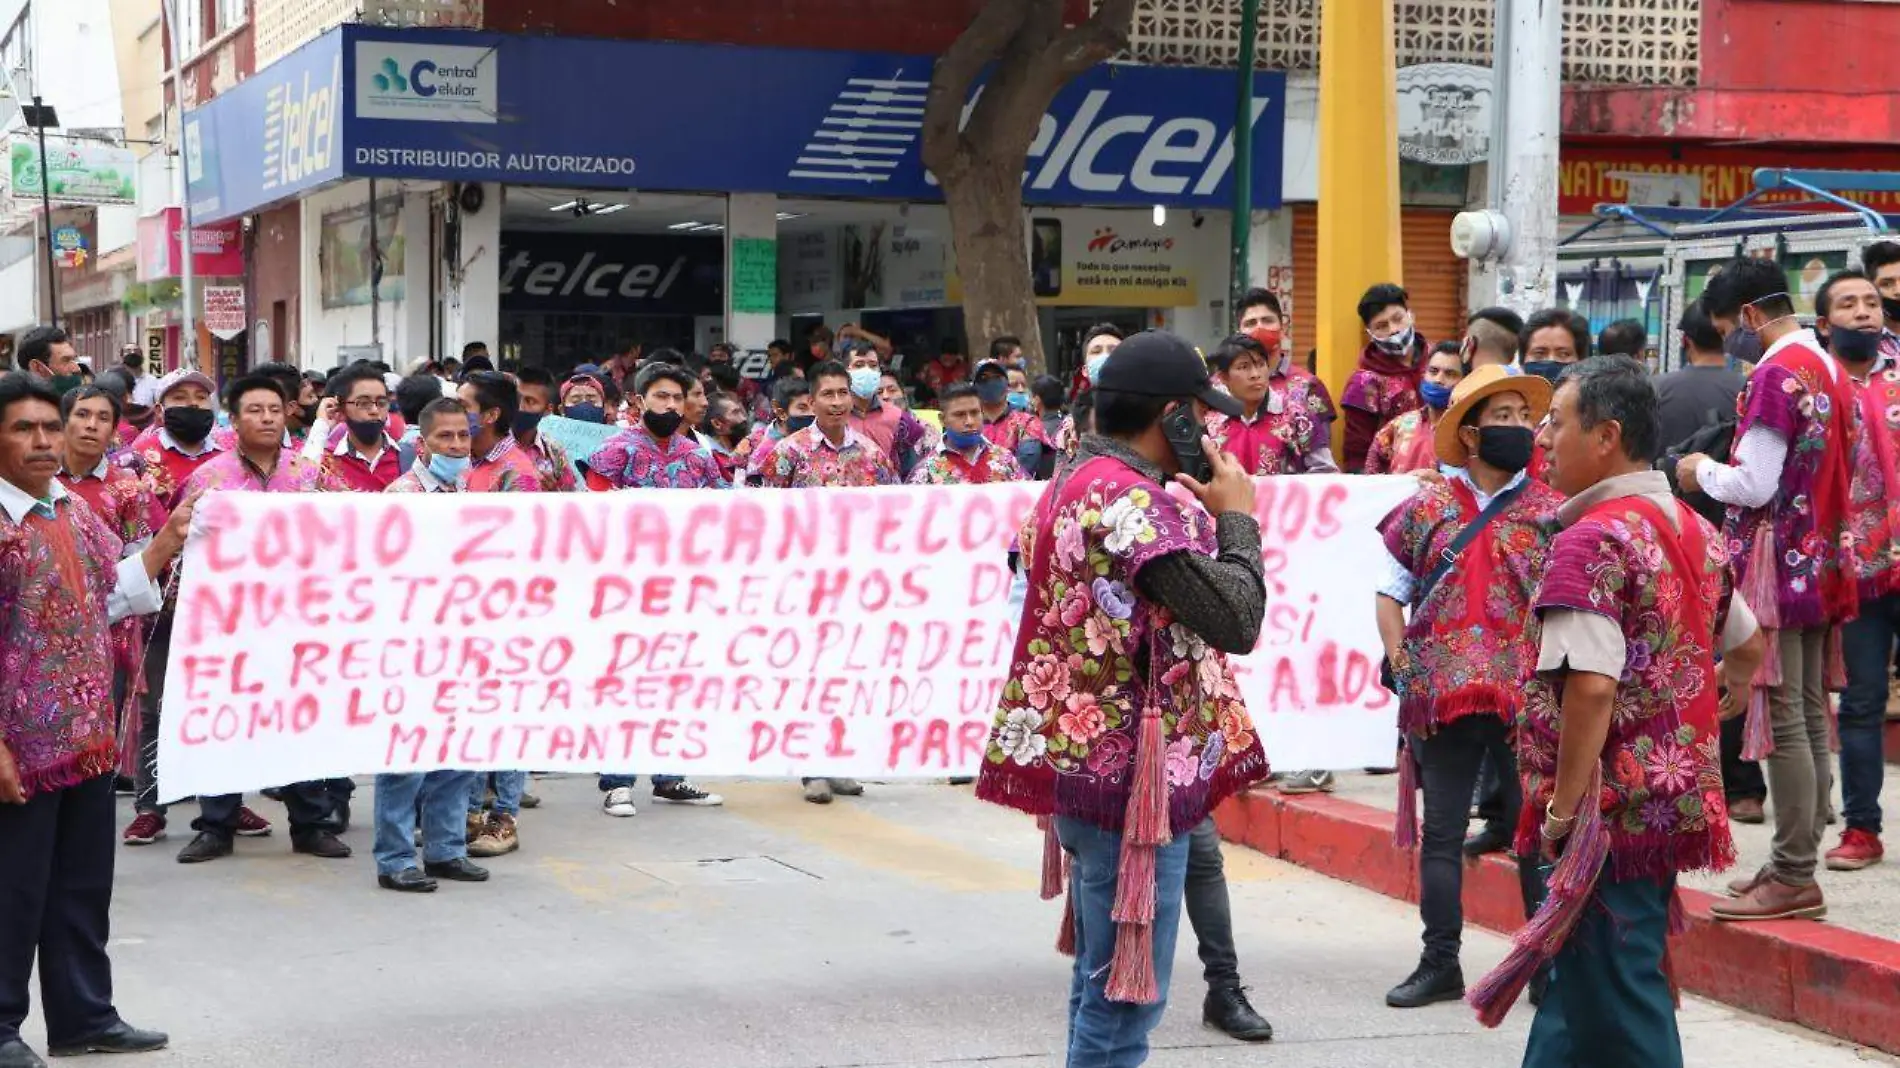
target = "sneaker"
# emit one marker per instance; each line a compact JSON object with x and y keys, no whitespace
{"x":1858,"y":849}
{"x":619,"y":802}
{"x":1307,"y":782}
{"x":250,"y":824}
{"x":498,"y":840}
{"x":1428,"y":984}
{"x":529,"y":800}
{"x":818,"y":791}
{"x":476,"y":827}
{"x":847,"y":787}
{"x":149,"y":827}
{"x":685,"y":793}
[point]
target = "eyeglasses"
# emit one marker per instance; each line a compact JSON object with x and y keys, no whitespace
{"x":369,"y":404}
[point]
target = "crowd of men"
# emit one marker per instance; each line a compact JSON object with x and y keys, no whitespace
{"x":1554,"y":601}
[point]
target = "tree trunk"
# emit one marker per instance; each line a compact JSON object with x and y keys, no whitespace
{"x":980,"y":163}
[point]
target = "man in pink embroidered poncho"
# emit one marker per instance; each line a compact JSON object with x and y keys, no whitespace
{"x":1121,"y":722}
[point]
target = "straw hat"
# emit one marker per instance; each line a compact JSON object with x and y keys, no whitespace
{"x":1479,"y":384}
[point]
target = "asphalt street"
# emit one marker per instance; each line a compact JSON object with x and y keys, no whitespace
{"x":897,"y":929}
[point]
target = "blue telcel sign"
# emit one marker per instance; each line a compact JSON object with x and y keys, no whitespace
{"x":476,"y":106}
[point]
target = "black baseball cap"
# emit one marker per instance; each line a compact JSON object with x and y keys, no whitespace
{"x":1156,"y":363}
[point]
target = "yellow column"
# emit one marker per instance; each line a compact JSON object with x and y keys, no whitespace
{"x":1358,"y":178}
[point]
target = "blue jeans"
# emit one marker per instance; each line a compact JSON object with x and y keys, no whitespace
{"x":509,"y":786}
{"x":1867,"y":650}
{"x":1608,"y":1004}
{"x":1104,"y":1033}
{"x":615,"y":782}
{"x":442,"y":798}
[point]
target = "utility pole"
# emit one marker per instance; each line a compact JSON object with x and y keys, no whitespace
{"x":187,"y":275}
{"x":1518,"y":230}
{"x":1242,"y":237}
{"x":39,"y":115}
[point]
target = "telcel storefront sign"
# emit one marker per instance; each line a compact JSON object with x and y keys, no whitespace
{"x":458,"y":105}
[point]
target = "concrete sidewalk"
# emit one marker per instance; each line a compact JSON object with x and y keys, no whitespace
{"x":1824,"y":976}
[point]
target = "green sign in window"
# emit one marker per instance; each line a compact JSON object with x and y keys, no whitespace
{"x":754,"y":275}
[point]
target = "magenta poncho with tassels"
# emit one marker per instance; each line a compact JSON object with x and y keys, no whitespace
{"x":1114,"y":714}
{"x":1660,"y":807}
{"x":1473,"y":640}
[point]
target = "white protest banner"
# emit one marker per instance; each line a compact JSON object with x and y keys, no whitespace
{"x":861,"y":633}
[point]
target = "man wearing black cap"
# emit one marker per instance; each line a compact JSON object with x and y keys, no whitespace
{"x":1163,"y":593}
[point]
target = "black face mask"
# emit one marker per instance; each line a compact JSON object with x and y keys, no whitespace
{"x":365,"y":430}
{"x":189,"y":425}
{"x":1854,"y":346}
{"x":738,"y":430}
{"x":1890,"y":307}
{"x":662,"y":424}
{"x":796,"y":423}
{"x":586,"y":413}
{"x":1507,"y":448}
{"x":525,"y":422}
{"x":1184,"y":431}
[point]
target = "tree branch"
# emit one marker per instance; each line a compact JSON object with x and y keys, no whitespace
{"x":992,"y":31}
{"x":1104,"y":34}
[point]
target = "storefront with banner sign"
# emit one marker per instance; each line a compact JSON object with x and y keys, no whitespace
{"x":157,"y":293}
{"x":497,"y":207}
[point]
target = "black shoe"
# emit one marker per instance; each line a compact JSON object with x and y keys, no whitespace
{"x":319,"y":843}
{"x":1227,"y":1011}
{"x":458,"y":870}
{"x":340,"y":816}
{"x":208,"y":845}
{"x":124,"y":786}
{"x":408,"y":881}
{"x":1430,"y":983}
{"x":17,"y":1054}
{"x":1489,"y":840}
{"x":121,"y":1037}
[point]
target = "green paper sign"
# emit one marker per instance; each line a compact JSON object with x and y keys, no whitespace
{"x":77,"y":171}
{"x":754,"y":275}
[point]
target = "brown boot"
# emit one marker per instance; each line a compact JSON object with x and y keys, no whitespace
{"x":1740,"y":887}
{"x":1746,"y":810}
{"x":499,"y":839}
{"x":1772,"y":899}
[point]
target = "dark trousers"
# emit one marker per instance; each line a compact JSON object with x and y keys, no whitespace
{"x":309,"y":805}
{"x":1448,"y":763}
{"x":56,"y":854}
{"x":158,"y":649}
{"x":1609,"y":1004}
{"x":1208,"y":909}
{"x":1867,"y":650}
{"x":1741,"y":779}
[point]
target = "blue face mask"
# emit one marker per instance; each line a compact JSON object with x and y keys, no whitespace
{"x":1436,"y":397}
{"x":474,"y":424}
{"x":992,"y":391}
{"x":1094,"y":369}
{"x":864,"y":382}
{"x":1019,"y":402}
{"x":964,"y":440}
{"x":448,"y":469}
{"x":586,"y":413}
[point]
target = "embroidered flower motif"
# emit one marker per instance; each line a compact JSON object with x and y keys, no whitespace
{"x":1084,"y":721}
{"x":1211,"y":755}
{"x":1046,"y":681}
{"x":1659,"y":814}
{"x":1186,"y":644}
{"x":1627,"y":772}
{"x":1074,"y":607}
{"x":1110,"y":754}
{"x":1100,"y":634}
{"x":1020,"y":736}
{"x":1182,"y":767}
{"x":1127,"y":525}
{"x":1637,"y":658}
{"x":1671,"y":767}
{"x":1071,"y":549}
{"x":1112,"y":597}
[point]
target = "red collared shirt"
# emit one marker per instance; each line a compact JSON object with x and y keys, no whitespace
{"x":345,"y":467}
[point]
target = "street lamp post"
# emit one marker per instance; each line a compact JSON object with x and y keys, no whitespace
{"x":39,"y":115}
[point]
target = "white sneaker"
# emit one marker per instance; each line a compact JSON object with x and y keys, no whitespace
{"x":619,"y":802}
